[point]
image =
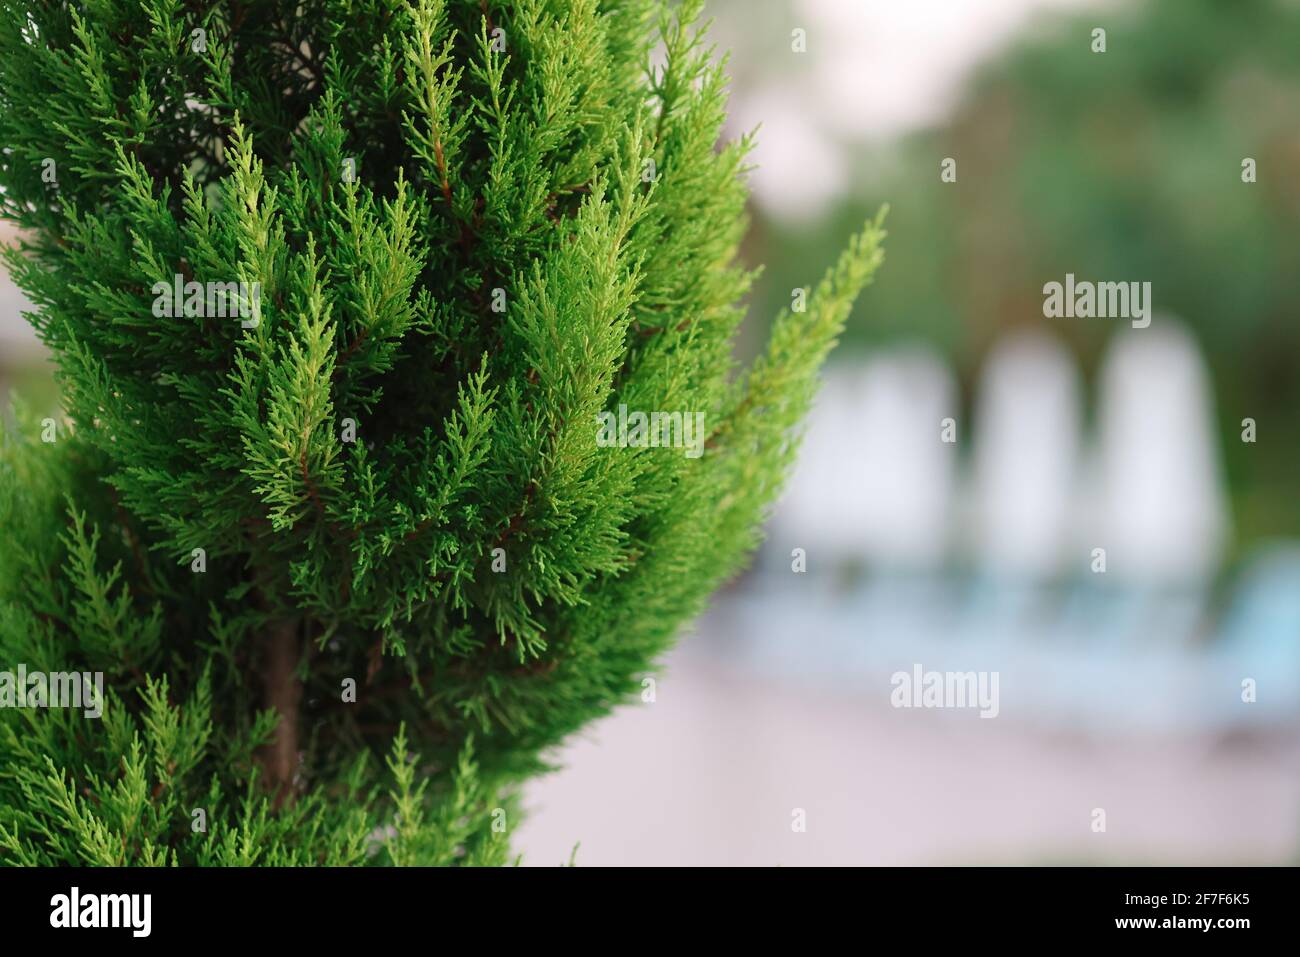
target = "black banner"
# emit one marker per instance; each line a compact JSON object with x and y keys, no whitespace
{"x":302,"y":907}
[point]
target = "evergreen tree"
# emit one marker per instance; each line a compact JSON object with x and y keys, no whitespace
{"x":351,"y":301}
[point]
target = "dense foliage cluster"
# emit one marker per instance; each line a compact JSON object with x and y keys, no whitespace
{"x":350,"y":556}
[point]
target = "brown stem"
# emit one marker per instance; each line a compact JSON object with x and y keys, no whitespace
{"x":283,"y":693}
{"x":441,"y":160}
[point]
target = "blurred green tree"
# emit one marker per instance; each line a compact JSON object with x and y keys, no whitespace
{"x":1123,"y":165}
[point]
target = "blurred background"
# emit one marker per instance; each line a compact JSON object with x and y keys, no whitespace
{"x":1119,"y":690}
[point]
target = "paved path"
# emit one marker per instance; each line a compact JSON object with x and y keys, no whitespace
{"x":710,"y":774}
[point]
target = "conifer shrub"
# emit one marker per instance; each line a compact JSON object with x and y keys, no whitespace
{"x":400,"y":428}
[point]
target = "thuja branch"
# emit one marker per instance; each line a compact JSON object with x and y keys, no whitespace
{"x":501,"y":208}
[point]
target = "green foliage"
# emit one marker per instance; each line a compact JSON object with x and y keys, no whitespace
{"x":541,"y":227}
